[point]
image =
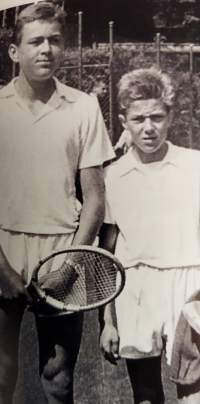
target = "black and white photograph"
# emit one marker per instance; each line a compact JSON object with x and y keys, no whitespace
{"x":100,"y":202}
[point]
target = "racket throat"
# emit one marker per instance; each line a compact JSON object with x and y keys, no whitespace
{"x":42,"y":304}
{"x":37,"y":306}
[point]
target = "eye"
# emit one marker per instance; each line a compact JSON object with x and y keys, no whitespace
{"x":138,"y":119}
{"x":36,"y":42}
{"x":157,"y":118}
{"x":55,"y":40}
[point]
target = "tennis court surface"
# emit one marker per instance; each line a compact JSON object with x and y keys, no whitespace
{"x":96,"y":381}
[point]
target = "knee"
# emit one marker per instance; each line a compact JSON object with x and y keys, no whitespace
{"x":57,"y":384}
{"x":56,"y":374}
{"x":57,"y":378}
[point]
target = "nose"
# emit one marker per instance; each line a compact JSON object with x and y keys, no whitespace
{"x":148,"y":125}
{"x":46,"y":47}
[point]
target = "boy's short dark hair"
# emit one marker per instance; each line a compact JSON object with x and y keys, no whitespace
{"x":145,"y":84}
{"x":40,"y":11}
{"x":99,"y":79}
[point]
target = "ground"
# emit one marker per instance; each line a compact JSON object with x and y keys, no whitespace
{"x":96,"y":381}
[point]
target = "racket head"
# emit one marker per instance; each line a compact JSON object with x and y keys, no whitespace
{"x":78,"y":278}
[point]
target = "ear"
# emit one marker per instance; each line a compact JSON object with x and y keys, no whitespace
{"x":13,"y":53}
{"x":122,"y":119}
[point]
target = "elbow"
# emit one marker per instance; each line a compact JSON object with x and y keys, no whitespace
{"x":95,"y":205}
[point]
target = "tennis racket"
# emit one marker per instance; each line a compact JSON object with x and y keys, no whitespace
{"x":75,"y":279}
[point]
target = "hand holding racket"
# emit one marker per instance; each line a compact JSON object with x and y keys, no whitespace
{"x":75,"y":279}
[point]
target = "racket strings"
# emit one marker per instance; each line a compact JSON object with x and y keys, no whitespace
{"x":78,"y":278}
{"x":99,"y":281}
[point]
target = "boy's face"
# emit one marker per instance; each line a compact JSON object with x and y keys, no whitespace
{"x":101,"y":89}
{"x":40,"y":51}
{"x":148,"y":122}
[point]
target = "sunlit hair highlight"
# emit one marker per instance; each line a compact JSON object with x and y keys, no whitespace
{"x":145,"y":84}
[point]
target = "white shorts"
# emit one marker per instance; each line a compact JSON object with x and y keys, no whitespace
{"x":149,"y":307}
{"x":24,"y":251}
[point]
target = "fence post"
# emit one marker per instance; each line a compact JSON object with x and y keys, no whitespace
{"x":191,"y":98}
{"x":80,"y":29}
{"x":158,"y":50}
{"x":4,"y":18}
{"x":13,"y":63}
{"x":111,"y":23}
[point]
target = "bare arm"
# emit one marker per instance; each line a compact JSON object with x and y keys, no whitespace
{"x":92,"y":213}
{"x":11,"y":283}
{"x":109,"y":339}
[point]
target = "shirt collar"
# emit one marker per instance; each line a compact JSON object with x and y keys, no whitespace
{"x":9,"y":90}
{"x":62,"y":91}
{"x":129,"y":162}
{"x":69,"y":93}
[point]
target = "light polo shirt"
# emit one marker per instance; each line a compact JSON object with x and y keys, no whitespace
{"x":39,"y":158}
{"x":156,"y":208}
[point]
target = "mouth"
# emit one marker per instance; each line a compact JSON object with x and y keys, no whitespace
{"x":45,"y":62}
{"x":149,"y":139}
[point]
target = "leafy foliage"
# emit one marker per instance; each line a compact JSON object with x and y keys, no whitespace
{"x":186,"y":112}
{"x":178,"y":20}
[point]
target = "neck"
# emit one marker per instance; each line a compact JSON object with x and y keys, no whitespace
{"x":35,"y":90}
{"x":153,"y":157}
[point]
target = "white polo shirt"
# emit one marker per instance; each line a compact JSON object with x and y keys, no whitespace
{"x":156,"y":208}
{"x":39,"y":158}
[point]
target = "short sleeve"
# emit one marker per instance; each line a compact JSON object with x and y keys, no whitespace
{"x":96,"y":147}
{"x":108,"y":213}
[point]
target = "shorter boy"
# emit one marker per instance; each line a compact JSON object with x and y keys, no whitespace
{"x":152,"y":224}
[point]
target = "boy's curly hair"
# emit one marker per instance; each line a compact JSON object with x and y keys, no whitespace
{"x":145,"y":84}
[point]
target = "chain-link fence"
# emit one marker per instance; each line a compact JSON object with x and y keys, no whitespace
{"x":70,"y":76}
{"x":82,"y":65}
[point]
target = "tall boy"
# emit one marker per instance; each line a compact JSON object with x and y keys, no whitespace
{"x":48,"y":133}
{"x":152,"y":223}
